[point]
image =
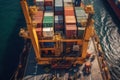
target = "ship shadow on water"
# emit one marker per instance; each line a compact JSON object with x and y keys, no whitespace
{"x":14,"y":47}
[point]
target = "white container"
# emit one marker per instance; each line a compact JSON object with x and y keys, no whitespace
{"x":48,"y":32}
{"x":48,"y":13}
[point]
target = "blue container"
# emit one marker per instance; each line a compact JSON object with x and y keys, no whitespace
{"x":59,"y":19}
{"x":49,"y":44}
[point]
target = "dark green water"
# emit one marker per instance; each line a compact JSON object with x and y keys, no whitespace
{"x":12,"y":19}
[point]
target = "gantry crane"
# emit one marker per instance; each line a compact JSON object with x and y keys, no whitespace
{"x":57,"y":39}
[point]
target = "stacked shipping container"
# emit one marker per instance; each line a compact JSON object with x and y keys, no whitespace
{"x":59,"y":15}
{"x":37,"y":22}
{"x":81,"y":17}
{"x":49,"y":5}
{"x":48,"y":22}
{"x":70,"y":21}
{"x":40,"y":4}
{"x":58,"y":22}
{"x":58,"y":7}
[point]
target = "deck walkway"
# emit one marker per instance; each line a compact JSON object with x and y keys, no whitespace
{"x":37,"y":72}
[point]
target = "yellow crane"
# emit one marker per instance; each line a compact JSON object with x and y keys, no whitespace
{"x":57,"y":39}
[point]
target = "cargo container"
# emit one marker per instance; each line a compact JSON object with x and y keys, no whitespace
{"x":48,"y":21}
{"x":48,"y":32}
{"x":38,"y":14}
{"x":39,"y":32}
{"x":69,"y":13}
{"x":81,"y":17}
{"x":58,"y":19}
{"x":48,"y":13}
{"x":49,"y":44}
{"x":80,"y":32}
{"x":71,"y":31}
{"x":69,"y":8}
{"x":40,"y":4}
{"x":48,"y":2}
{"x":68,"y":1}
{"x":58,"y":7}
{"x":58,"y":22}
{"x":37,"y":21}
{"x":70,"y":20}
{"x":68,"y":4}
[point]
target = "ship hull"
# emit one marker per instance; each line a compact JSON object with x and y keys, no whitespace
{"x":114,"y":8}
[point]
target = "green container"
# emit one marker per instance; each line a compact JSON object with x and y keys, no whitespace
{"x":48,"y":21}
{"x":79,"y":8}
{"x":81,"y":32}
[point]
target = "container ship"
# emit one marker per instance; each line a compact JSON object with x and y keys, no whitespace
{"x":61,"y":43}
{"x":115,"y":5}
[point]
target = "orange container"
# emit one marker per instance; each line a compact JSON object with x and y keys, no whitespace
{"x":70,"y":20}
{"x":69,"y":8}
{"x":38,"y":14}
{"x":69,"y":13}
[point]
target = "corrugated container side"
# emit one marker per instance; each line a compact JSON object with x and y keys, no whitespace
{"x":49,"y":8}
{"x":58,"y":27}
{"x":81,"y":31}
{"x":48,"y":3}
{"x":38,"y":14}
{"x":40,"y":4}
{"x":48,"y":32}
{"x":70,"y":20}
{"x":48,"y":21}
{"x":79,"y":8}
{"x":68,"y":1}
{"x":49,"y":44}
{"x":69,"y":8}
{"x":58,"y":22}
{"x":39,"y":32}
{"x":48,"y":13}
{"x":58,"y":8}
{"x":71,"y":31}
{"x":58,"y":19}
{"x":68,"y":4}
{"x":37,"y":21}
{"x":69,"y":13}
{"x":58,"y":2}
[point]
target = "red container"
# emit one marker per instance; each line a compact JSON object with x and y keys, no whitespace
{"x":58,"y":27}
{"x":58,"y":12}
{"x":69,"y":13}
{"x":48,"y":3}
{"x":37,"y":21}
{"x":71,"y":31}
{"x":39,"y":32}
{"x":70,"y":20}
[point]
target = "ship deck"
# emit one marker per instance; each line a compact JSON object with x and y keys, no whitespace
{"x":34,"y":71}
